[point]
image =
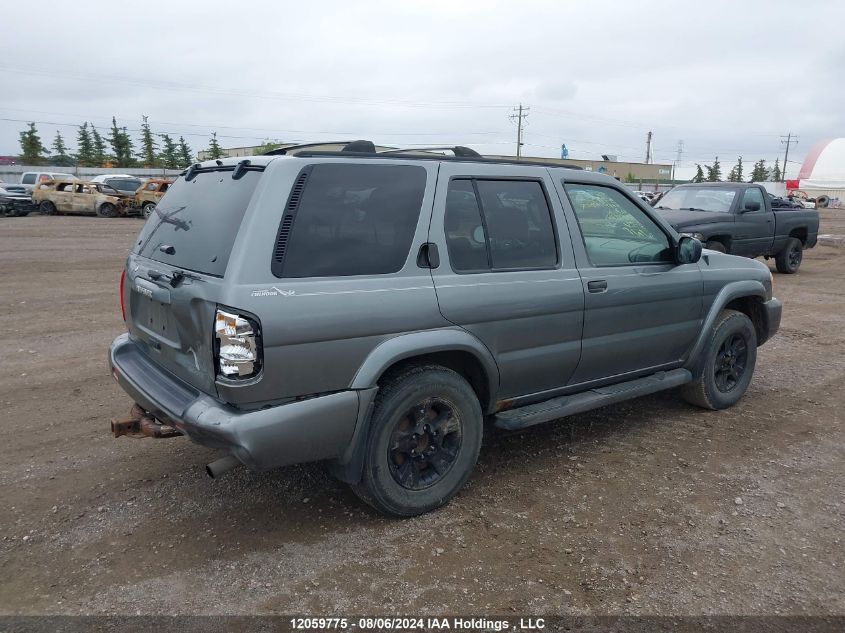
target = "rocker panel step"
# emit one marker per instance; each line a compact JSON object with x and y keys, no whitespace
{"x":563,"y":406}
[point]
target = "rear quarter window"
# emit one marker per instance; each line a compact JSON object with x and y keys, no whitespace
{"x":352,"y":219}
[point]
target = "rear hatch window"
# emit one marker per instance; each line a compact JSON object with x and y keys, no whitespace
{"x":195,"y":223}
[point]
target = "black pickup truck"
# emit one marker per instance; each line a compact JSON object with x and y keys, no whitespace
{"x":738,"y":218}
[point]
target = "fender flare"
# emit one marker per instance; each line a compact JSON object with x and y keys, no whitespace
{"x":349,"y":466}
{"x":731,"y":291}
{"x":426,"y":342}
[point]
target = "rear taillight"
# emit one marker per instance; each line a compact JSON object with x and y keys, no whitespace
{"x":122,"y":301}
{"x":238,"y":345}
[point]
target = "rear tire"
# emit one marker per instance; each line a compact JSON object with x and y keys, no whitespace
{"x":47,"y":208}
{"x":714,"y":245}
{"x":148,"y":209}
{"x":425,"y":435}
{"x":729,"y":359}
{"x":788,"y":260}
{"x":107,"y":210}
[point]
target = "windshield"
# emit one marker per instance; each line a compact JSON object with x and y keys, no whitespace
{"x":698,"y":199}
{"x":195,"y":223}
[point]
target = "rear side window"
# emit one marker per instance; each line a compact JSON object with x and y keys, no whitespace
{"x":499,"y":225}
{"x":198,"y":220}
{"x":351,"y":219}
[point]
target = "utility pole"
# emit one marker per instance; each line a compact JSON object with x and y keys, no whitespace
{"x":678,"y":157}
{"x":786,"y":140}
{"x":519,"y":115}
{"x":648,"y":156}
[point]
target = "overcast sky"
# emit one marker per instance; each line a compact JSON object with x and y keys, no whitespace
{"x":726,"y":78}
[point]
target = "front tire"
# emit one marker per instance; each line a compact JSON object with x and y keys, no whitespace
{"x":714,"y":245}
{"x":425,"y":435}
{"x":107,"y":210}
{"x":788,"y":260}
{"x":148,"y":209}
{"x":47,"y":208}
{"x":729,"y":359}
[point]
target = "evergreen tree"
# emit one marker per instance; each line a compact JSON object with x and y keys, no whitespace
{"x":32,"y":150}
{"x":121,"y":144}
{"x":185,"y":155}
{"x":85,"y":153}
{"x":777,"y":175}
{"x":169,"y":157}
{"x":61,"y":157}
{"x":735,"y":174}
{"x":214,"y":149}
{"x":149,"y":146}
{"x":699,"y":174}
{"x":714,"y":173}
{"x":99,"y":155}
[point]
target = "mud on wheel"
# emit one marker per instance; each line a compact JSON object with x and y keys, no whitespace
{"x":425,"y":435}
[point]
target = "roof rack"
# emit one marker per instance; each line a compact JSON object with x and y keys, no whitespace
{"x":367,"y":149}
{"x":284,"y":150}
{"x":457,"y":150}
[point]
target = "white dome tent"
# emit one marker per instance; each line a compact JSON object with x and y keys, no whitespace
{"x":823,"y":171}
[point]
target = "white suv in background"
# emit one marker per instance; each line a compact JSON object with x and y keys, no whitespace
{"x":29,"y":179}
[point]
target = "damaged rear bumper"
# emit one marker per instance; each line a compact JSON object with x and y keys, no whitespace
{"x":303,"y":431}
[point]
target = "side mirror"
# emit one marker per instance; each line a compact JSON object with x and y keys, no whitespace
{"x":688,"y":250}
{"x":752,"y":206}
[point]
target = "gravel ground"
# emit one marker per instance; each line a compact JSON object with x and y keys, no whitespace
{"x":648,"y":507}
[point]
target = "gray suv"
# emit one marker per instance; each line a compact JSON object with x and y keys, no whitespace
{"x":380,"y":311}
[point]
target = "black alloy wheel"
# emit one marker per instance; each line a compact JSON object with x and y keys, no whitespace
{"x":730,"y":364}
{"x":424,"y":444}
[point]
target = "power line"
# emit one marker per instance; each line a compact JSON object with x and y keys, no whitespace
{"x":171,"y":86}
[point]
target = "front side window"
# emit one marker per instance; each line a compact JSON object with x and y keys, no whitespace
{"x":353,"y":219}
{"x":28,"y":179}
{"x":616,"y":231}
{"x":499,"y":225}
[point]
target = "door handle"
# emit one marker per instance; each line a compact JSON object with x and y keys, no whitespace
{"x":599,"y":285}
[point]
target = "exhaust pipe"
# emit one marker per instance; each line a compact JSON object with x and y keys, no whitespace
{"x":221,"y":466}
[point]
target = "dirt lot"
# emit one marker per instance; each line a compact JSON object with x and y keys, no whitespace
{"x":648,"y":507}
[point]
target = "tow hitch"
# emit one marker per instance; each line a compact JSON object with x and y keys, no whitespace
{"x":142,"y":424}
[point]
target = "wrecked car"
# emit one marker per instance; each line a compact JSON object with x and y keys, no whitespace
{"x":74,"y":196}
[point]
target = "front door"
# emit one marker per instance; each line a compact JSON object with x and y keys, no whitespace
{"x":643,"y":312}
{"x":754,"y":229}
{"x":507,"y":272}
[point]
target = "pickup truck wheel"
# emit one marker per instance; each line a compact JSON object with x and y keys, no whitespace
{"x":425,"y":435}
{"x":148,"y":209}
{"x":729,"y":360}
{"x":713,"y":245}
{"x":789,"y":259}
{"x":107,"y":210}
{"x":47,"y":208}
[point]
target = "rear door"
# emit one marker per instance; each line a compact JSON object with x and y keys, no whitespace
{"x":83,"y":199}
{"x":507,"y":271}
{"x":642,"y":311}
